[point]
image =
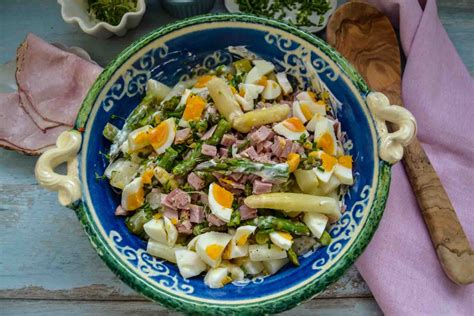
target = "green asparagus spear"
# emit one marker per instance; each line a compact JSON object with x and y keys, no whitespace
{"x":293,"y":257}
{"x":268,"y":222}
{"x":242,"y":65}
{"x":110,"y":131}
{"x":325,"y":239}
{"x":196,"y":156}
{"x":201,"y":229}
{"x":265,"y":170}
{"x":234,"y":219}
{"x":262,"y":237}
{"x":222,"y":127}
{"x":168,"y":158}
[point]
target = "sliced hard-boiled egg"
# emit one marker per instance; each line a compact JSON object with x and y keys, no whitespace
{"x":210,"y":247}
{"x":291,"y":128}
{"x":133,"y":195}
{"x":162,"y":136}
{"x":343,"y":170}
{"x":316,"y":223}
{"x":155,"y":229}
{"x":272,"y":90}
{"x":283,"y":240}
{"x":325,"y":171}
{"x":272,"y":266}
{"x":163,"y":251}
{"x":284,"y":83}
{"x":265,"y":252}
{"x":235,"y":251}
{"x":252,"y":267}
{"x":192,"y":112}
{"x":124,"y":148}
{"x":243,"y":233}
{"x":324,"y":136}
{"x":236,"y":273}
{"x":189,"y":263}
{"x":139,"y":138}
{"x":261,"y":68}
{"x":184,"y":97}
{"x":171,"y":231}
{"x":220,"y":202}
{"x":217,"y":277}
{"x":305,"y":110}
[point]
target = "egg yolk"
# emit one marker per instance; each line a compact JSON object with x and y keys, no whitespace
{"x":294,"y":124}
{"x":345,"y":161}
{"x":223,"y":197}
{"x":194,"y":107}
{"x":159,"y":135}
{"x":147,"y":176}
{"x":202,"y":81}
{"x":227,"y":279}
{"x":328,"y":161}
{"x":306,"y":111}
{"x":326,"y":143}
{"x":157,"y":216}
{"x":214,"y":251}
{"x":312,"y":95}
{"x":142,"y":137}
{"x":136,"y":200}
{"x":263,"y":81}
{"x":242,"y":240}
{"x":233,"y":89}
{"x":242,"y":92}
{"x":293,"y":161}
{"x":285,"y":235}
{"x":227,"y":251}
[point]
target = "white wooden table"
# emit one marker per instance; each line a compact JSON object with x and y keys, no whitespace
{"x":47,"y":266}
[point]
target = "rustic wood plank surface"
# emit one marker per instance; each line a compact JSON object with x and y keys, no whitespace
{"x":47,"y":266}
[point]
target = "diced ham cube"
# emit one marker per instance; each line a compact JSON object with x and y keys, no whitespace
{"x":166,"y":203}
{"x":250,"y":153}
{"x":228,"y":140}
{"x":209,"y":133}
{"x":209,"y":150}
{"x":196,"y":182}
{"x":265,"y":158}
{"x":178,"y":199}
{"x":260,"y":135}
{"x":278,"y":145}
{"x":260,"y":187}
{"x":287,"y":149}
{"x":214,"y":220}
{"x":196,"y":213}
{"x":223,"y":152}
{"x":182,"y":135}
{"x":247,"y":212}
{"x":185,"y":227}
{"x":170,"y":213}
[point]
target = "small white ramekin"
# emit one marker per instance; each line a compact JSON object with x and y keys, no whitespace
{"x":75,"y":12}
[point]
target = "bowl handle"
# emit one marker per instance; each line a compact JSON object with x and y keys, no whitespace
{"x":66,"y":149}
{"x":391,"y":144}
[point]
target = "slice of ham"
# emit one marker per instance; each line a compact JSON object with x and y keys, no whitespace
{"x":260,"y":187}
{"x":42,"y":123}
{"x":196,"y":182}
{"x":214,"y":220}
{"x":53,"y":81}
{"x":196,"y":213}
{"x":247,"y":212}
{"x":18,"y":131}
{"x":209,"y":133}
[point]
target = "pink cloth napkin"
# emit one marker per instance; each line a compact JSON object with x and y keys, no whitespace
{"x":400,"y":265}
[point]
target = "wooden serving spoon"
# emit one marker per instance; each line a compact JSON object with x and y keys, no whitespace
{"x":365,"y":37}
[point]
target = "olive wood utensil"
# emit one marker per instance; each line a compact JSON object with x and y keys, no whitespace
{"x":365,"y":37}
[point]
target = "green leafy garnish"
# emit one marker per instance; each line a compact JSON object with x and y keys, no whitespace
{"x":110,"y":11}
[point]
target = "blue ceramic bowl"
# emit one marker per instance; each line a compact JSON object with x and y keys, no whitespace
{"x":167,"y":55}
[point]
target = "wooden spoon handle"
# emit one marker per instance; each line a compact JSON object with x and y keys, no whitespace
{"x":447,"y":235}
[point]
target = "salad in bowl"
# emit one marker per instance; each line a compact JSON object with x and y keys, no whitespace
{"x":237,"y":166}
{"x":232,"y":173}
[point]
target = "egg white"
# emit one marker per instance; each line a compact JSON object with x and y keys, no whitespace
{"x":223,"y":213}
{"x":171,"y":231}
{"x":280,"y":240}
{"x":282,"y":130}
{"x":212,"y":239}
{"x":134,"y":188}
{"x":189,"y":263}
{"x":316,"y":223}
{"x":155,"y":229}
{"x":242,"y":234}
{"x":322,"y":126}
{"x":272,"y":90}
{"x":284,"y":83}
{"x":216,"y":277}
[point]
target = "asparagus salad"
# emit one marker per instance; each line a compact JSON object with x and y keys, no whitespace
{"x":231,"y":174}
